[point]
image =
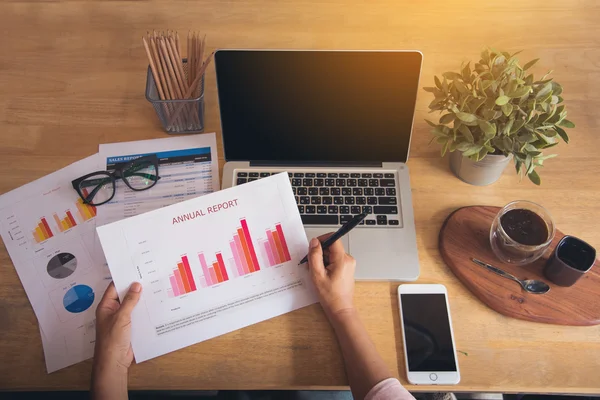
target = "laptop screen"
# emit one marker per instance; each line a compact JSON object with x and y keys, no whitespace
{"x":317,"y":106}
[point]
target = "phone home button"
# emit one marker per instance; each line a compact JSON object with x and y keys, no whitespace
{"x":433,"y":377}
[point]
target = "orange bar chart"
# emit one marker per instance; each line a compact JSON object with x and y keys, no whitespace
{"x":42,"y":231}
{"x":275,"y":248}
{"x":85,"y":211}
{"x":215,"y":274}
{"x":65,"y":223}
{"x":182,"y":280}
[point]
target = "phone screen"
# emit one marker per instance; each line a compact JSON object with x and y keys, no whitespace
{"x":427,"y":332}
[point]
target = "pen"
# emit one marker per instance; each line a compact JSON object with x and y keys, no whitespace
{"x":347,"y":227}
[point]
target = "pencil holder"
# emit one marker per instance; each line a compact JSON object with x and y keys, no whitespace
{"x":178,"y":116}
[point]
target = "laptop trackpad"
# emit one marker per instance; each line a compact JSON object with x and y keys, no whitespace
{"x":316,"y":232}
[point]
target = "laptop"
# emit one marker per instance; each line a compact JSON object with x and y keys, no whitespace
{"x":339,"y":124}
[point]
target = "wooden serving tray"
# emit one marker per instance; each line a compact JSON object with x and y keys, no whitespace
{"x":465,"y":235}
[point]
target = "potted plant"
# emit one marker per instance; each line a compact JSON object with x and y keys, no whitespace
{"x":495,"y":112}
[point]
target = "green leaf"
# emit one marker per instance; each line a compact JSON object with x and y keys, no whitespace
{"x":429,"y":89}
{"x":466,"y":117}
{"x":545,"y":138}
{"x":544,"y":91}
{"x":530,"y":64}
{"x":502,"y":100}
{"x":520,"y":92}
{"x":435,"y":102}
{"x":507,"y":109}
{"x":445,"y":148}
{"x":517,"y":125}
{"x":461,"y":87}
{"x":474,"y":104}
{"x":446,"y":118}
{"x":488,"y":129}
{"x":451,"y":75}
{"x":437,"y":82}
{"x":561,"y":132}
{"x":534,"y":177}
{"x":556,"y":89}
{"x":547,"y":157}
{"x":567,"y":124}
{"x":463,"y":146}
{"x":508,"y":126}
{"x":431,"y":123}
{"x":466,"y":72}
{"x":466,"y":133}
{"x":474,"y":149}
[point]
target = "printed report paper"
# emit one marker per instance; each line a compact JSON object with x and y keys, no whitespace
{"x":50,"y":236}
{"x":210,"y":265}
{"x":188,"y":167}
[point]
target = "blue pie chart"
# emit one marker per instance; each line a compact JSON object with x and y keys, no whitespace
{"x":78,"y":299}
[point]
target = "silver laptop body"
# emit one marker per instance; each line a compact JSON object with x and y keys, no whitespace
{"x":302,"y":94}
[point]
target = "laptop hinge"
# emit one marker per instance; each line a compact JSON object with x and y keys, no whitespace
{"x":328,"y":164}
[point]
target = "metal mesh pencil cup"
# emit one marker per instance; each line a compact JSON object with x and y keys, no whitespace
{"x":178,"y":116}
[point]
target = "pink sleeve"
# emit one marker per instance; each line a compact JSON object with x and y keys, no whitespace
{"x":389,"y":389}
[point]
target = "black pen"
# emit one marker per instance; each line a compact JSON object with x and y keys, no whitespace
{"x":347,"y":227}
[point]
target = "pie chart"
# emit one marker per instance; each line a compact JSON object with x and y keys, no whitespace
{"x":78,"y":299}
{"x":61,"y":265}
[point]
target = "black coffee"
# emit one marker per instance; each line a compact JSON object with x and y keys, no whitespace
{"x":525,"y":227}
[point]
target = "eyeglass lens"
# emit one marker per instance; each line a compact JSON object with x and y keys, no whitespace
{"x":100,"y":187}
{"x":141,"y":175}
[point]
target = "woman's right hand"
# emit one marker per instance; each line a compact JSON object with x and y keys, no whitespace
{"x":335,"y":284}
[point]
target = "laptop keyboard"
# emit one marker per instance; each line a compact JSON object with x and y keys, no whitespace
{"x":333,"y":198}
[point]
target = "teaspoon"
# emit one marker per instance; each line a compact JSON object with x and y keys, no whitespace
{"x":529,"y":285}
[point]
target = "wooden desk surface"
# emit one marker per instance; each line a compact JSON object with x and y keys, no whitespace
{"x":72,"y":76}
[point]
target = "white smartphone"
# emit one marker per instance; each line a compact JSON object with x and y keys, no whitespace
{"x":429,"y":348}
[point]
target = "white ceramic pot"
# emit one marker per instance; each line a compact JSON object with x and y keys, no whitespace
{"x":479,"y":173}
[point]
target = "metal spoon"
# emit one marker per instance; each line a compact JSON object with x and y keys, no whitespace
{"x":529,"y":285}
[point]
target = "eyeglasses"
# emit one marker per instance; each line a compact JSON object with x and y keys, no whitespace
{"x":99,"y":187}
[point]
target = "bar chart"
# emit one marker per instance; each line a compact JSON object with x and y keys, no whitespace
{"x":85,"y":210}
{"x":182,"y":280}
{"x":65,"y":223}
{"x":42,"y":231}
{"x":243,"y":261}
{"x":274,"y":248}
{"x":216,"y":273}
{"x":242,"y":249}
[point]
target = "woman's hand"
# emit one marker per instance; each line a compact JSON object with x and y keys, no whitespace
{"x":335,"y":284}
{"x":113,"y":354}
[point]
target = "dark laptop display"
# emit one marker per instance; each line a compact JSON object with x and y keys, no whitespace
{"x":317,"y":106}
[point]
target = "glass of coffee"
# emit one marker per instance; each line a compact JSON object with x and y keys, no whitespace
{"x":521,"y":232}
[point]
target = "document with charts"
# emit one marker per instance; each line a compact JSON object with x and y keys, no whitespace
{"x":187,"y":165}
{"x":210,"y":265}
{"x":50,"y":235}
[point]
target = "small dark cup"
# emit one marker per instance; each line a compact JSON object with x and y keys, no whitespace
{"x":571,"y":259}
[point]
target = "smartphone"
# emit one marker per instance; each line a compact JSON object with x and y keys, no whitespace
{"x":429,"y":348}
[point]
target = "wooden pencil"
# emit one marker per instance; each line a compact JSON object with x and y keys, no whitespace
{"x":194,"y":84}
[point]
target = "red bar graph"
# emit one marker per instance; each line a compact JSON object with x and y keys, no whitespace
{"x":275,"y":248}
{"x":188,"y":273}
{"x":250,"y":245}
{"x":241,"y":256}
{"x":182,"y":281}
{"x":222,"y":267}
{"x":216,"y":273}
